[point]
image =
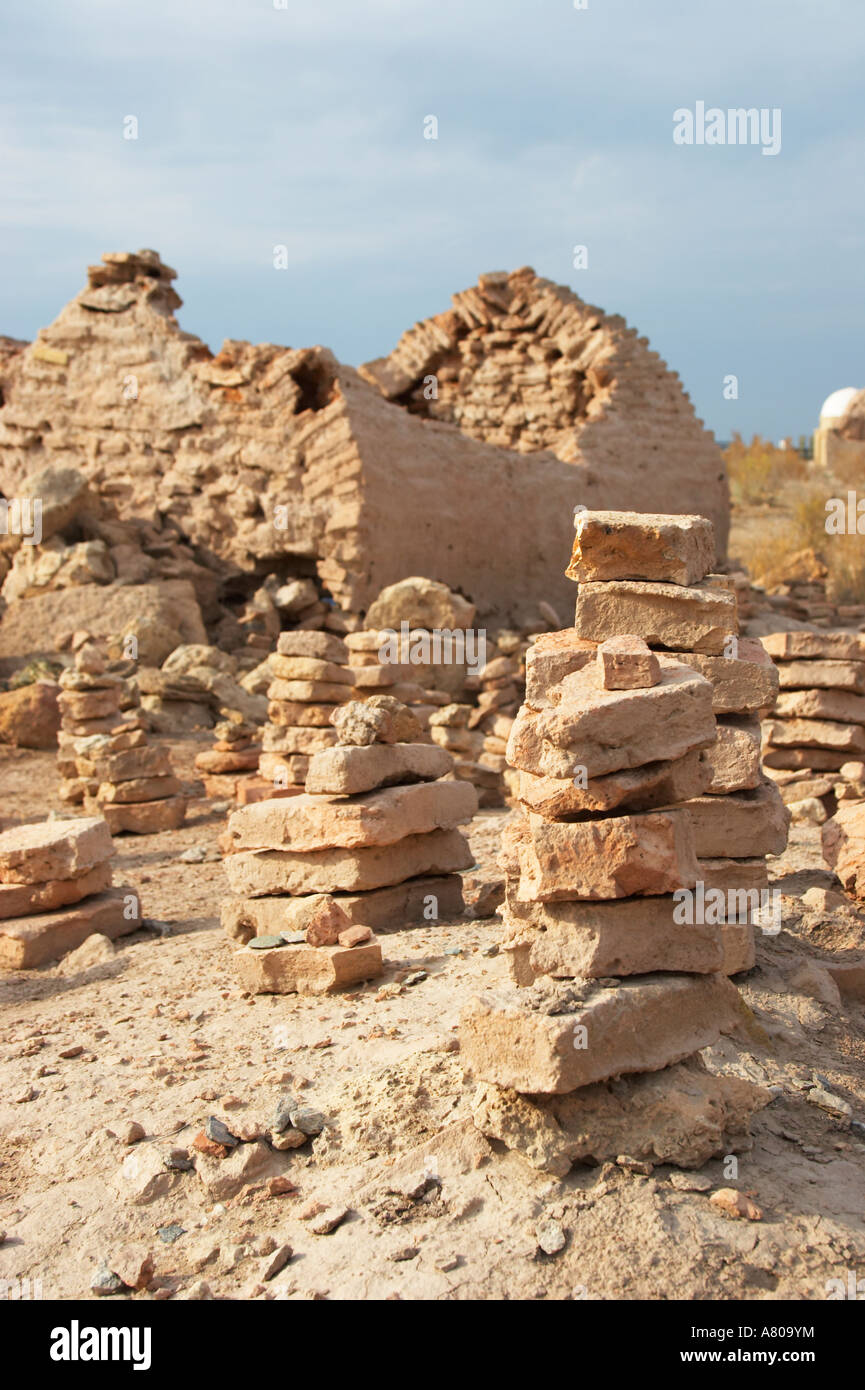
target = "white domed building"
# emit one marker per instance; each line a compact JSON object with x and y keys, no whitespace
{"x":839,"y":440}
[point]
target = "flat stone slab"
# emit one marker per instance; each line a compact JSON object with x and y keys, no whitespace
{"x":308,"y":668}
{"x":138,"y":789}
{"x":742,"y":683}
{"x":637,"y":545}
{"x":323,"y":646}
{"x":418,"y":902}
{"x":741,"y":825}
{"x":145,"y":817}
{"x":747,"y":875}
{"x":89,"y":704}
{"x":381,"y":817}
{"x":311,"y":692}
{"x":820,"y":704}
{"x":306,"y":969}
{"x":734,"y":757}
{"x":258,"y":873}
{"x":684,"y":1115}
{"x":815,"y":733}
{"x":149,"y":761}
{"x":346,"y":771}
{"x":837,"y":646}
{"x":30,"y":941}
{"x":24,"y":899}
{"x":634,"y":936}
{"x":699,"y":619}
{"x":792,"y":759}
{"x":53,"y":850}
{"x":299,"y":715}
{"x":822,"y":675}
{"x":643,"y":788}
{"x":553,"y":1038}
{"x":620,"y":857}
{"x":592,"y":731}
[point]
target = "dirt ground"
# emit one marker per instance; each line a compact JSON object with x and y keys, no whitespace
{"x":162,"y":1036}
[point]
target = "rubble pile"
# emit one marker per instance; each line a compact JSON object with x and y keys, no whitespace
{"x":635,"y":864}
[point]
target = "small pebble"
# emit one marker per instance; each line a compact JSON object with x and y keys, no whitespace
{"x":328,"y":1220}
{"x":169,"y":1234}
{"x":550,"y":1236}
{"x":104,"y":1283}
{"x":219,"y":1133}
{"x":278,"y":1260}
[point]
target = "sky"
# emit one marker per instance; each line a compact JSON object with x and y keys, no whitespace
{"x":281,"y":123}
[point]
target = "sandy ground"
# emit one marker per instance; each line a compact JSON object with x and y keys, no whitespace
{"x":162,"y":1036}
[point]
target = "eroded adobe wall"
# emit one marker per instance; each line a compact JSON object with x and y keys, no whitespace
{"x":524,"y":364}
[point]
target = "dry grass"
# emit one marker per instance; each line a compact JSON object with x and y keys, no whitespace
{"x":779,"y":521}
{"x":759,"y":472}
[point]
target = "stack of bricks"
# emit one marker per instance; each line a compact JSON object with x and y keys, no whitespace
{"x":104,"y":757}
{"x":55,"y":891}
{"x":375,"y":675}
{"x":373,"y":843}
{"x":232,"y":761}
{"x":477,"y":734}
{"x":636,"y":803}
{"x":90,"y":699}
{"x":311,"y":676}
{"x":814,"y":740}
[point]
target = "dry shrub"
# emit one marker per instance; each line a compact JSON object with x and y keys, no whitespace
{"x":845,"y":556}
{"x":808,"y":525}
{"x":760,"y":470}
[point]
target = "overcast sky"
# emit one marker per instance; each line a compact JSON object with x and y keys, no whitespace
{"x":303,"y":126}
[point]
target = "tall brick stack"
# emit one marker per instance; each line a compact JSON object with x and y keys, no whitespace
{"x":311,"y":676}
{"x":814,"y":740}
{"x":104,"y":757}
{"x":55,"y":891}
{"x":372,"y":842}
{"x":631,"y":790}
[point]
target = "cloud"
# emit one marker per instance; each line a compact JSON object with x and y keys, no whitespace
{"x":303,"y":127}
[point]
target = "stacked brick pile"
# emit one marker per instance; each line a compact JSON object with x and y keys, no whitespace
{"x":232,"y":761}
{"x":104,"y":757}
{"x":636,"y":802}
{"x":311,"y":675}
{"x":399,"y":679}
{"x":372,"y":842}
{"x":814,"y":740}
{"x":55,"y":891}
{"x":90,"y":706}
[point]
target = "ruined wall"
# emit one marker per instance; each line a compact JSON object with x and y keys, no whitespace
{"x":524,"y":364}
{"x":269,"y":458}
